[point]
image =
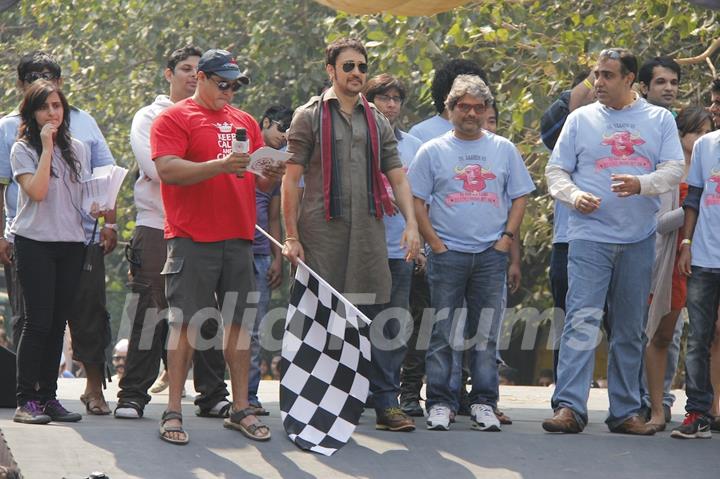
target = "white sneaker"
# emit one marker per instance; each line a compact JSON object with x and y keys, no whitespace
{"x":483,"y":418}
{"x":439,"y":418}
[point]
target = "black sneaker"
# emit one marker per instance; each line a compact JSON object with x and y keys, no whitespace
{"x":31,"y":413}
{"x":667,"y":413}
{"x":715,"y":425}
{"x":695,"y":426}
{"x":58,"y":413}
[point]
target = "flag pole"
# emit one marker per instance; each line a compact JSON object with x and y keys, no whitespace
{"x":320,"y":278}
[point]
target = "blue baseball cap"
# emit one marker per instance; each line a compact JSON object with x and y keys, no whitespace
{"x":222,"y":64}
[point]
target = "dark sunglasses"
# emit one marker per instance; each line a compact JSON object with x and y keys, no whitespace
{"x":281,"y":127}
{"x":34,"y":76}
{"x":225,"y":85}
{"x":350,"y":66}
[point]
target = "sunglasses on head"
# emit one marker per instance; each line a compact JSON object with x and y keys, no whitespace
{"x":281,"y":127}
{"x":350,"y":66}
{"x":225,"y":85}
{"x":611,"y":53}
{"x":34,"y":76}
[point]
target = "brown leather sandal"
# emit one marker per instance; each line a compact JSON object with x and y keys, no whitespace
{"x":95,"y":404}
{"x":164,"y":430}
{"x":250,"y":431}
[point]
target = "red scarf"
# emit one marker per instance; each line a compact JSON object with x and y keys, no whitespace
{"x":378,"y":199}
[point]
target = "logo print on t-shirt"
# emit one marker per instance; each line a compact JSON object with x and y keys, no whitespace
{"x":711,"y":199}
{"x":224,"y":127}
{"x":225,"y":138}
{"x":474,"y":178}
{"x":622,"y":147}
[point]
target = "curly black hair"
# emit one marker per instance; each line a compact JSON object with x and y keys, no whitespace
{"x":445,"y":76}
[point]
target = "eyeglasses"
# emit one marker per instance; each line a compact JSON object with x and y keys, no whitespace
{"x":281,"y":127}
{"x":466,"y":107}
{"x":225,"y":85}
{"x":34,"y":76}
{"x":388,"y":98}
{"x":350,"y":66}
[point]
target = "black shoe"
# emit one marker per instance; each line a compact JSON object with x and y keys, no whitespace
{"x":31,"y":413}
{"x":58,"y":413}
{"x":412,"y":408}
{"x":695,"y":426}
{"x":667,"y":412}
{"x":715,"y":425}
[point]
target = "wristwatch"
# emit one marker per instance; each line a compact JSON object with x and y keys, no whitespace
{"x":508,"y":234}
{"x":112,"y":226}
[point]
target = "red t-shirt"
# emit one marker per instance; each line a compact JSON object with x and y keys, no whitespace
{"x":222,"y":207}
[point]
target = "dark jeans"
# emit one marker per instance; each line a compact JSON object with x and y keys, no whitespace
{"x":413,"y":367}
{"x":146,"y":255}
{"x":558,"y":288}
{"x":49,"y":273}
{"x":262,"y":265}
{"x":388,"y":345}
{"x":703,"y":295}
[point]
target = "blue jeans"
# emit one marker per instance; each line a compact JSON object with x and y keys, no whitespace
{"x":703,"y":293}
{"x":478,"y":279}
{"x":262,"y":265}
{"x":621,"y":273}
{"x":389,"y":345}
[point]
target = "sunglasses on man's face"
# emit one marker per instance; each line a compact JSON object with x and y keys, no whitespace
{"x":34,"y":76}
{"x":225,"y":85}
{"x":350,"y":66}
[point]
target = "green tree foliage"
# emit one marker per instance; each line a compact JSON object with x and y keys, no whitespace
{"x":112,"y":53}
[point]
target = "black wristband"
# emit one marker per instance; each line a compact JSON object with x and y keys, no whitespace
{"x":508,"y":234}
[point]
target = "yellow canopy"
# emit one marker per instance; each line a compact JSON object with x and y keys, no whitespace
{"x":408,"y":8}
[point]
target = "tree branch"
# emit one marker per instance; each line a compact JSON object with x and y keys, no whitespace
{"x":700,"y":58}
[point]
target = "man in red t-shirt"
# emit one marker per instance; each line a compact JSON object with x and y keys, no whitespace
{"x":209,"y":205}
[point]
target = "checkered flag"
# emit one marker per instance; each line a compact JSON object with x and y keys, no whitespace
{"x":325,"y":366}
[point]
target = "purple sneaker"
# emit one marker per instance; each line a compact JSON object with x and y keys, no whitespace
{"x":31,"y":413}
{"x":58,"y":413}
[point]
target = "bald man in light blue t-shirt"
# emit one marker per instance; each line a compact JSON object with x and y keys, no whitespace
{"x":612,"y":159}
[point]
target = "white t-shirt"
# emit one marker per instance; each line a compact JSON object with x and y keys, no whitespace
{"x":148,"y":199}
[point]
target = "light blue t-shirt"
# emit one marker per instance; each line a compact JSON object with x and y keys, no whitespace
{"x":705,"y":173}
{"x":598,"y":141}
{"x":472,"y":185}
{"x":395,"y":225}
{"x":431,"y":128}
{"x":560,"y":223}
{"x":82,"y":127}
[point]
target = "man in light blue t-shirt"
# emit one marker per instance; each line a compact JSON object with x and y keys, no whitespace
{"x":90,"y":326}
{"x":477,"y":187}
{"x":700,"y":261}
{"x":612,"y":159}
{"x":388,"y":94}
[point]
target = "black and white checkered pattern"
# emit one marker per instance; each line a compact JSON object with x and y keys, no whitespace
{"x":324,"y":368}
